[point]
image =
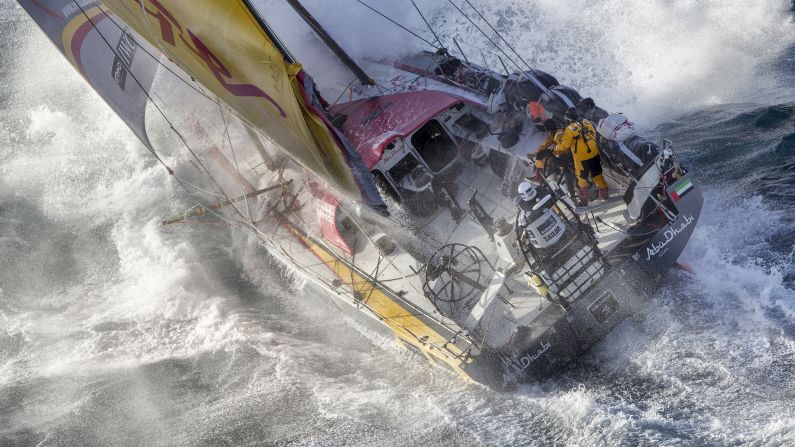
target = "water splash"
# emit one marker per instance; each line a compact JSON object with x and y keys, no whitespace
{"x":654,"y":60}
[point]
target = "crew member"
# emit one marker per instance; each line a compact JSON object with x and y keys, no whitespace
{"x":550,"y":162}
{"x":525,"y":201}
{"x":529,"y":195}
{"x":544,"y":151}
{"x":580,"y":138}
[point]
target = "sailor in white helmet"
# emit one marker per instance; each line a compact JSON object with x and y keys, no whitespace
{"x":527,"y":192}
{"x":526,"y":199}
{"x":539,"y":217}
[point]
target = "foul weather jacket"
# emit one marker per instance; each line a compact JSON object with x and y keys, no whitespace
{"x":582,"y":144}
{"x":549,"y":144}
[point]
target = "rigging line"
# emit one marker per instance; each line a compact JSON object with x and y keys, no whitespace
{"x":430,"y":28}
{"x":213,"y":98}
{"x":376,"y":272}
{"x":234,"y":158}
{"x":356,"y":294}
{"x":484,"y":34}
{"x":181,"y":180}
{"x":157,"y":107}
{"x":523,"y":74}
{"x":500,"y":36}
{"x":450,"y":36}
{"x":466,"y":59}
{"x":145,"y":15}
{"x":403,"y":85}
{"x":344,"y":91}
{"x":157,"y":61}
{"x":396,"y":23}
{"x":137,"y":82}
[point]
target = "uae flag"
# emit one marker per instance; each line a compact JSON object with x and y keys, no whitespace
{"x":681,"y":189}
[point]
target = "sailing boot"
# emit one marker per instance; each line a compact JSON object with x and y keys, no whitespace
{"x":604,"y":194}
{"x":584,"y":196}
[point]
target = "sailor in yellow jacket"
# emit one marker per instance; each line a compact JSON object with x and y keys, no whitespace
{"x":545,"y":150}
{"x":587,"y":161}
{"x":549,"y":161}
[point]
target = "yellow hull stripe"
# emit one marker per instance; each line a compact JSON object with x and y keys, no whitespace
{"x":406,"y":326}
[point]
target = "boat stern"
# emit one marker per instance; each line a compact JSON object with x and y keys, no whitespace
{"x":663,"y":250}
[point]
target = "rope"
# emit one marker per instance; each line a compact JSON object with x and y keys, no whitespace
{"x":160,"y":111}
{"x":137,"y":82}
{"x":427,"y":24}
{"x":485,"y":35}
{"x":397,"y":24}
{"x":234,"y":158}
{"x":157,"y":61}
{"x":503,"y":39}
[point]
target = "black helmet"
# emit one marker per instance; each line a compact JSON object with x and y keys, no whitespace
{"x":550,"y":125}
{"x":587,"y":103}
{"x":571,"y":114}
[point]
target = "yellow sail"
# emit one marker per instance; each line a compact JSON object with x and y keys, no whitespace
{"x":223,"y":46}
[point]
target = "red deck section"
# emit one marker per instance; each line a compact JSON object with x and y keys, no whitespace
{"x":373,"y":123}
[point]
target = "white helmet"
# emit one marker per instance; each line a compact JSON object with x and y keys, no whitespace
{"x":527,"y":191}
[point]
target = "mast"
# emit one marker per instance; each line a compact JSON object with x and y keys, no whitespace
{"x":331,"y":43}
{"x":288,"y":56}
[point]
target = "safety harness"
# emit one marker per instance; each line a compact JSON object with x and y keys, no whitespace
{"x":584,"y":131}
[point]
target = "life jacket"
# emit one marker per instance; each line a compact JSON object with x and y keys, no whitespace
{"x":581,"y":139}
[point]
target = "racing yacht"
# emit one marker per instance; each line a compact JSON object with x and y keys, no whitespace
{"x":399,"y":203}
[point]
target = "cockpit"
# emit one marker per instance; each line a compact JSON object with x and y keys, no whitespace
{"x":409,"y":166}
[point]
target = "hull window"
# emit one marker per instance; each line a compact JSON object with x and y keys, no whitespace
{"x":435,"y":146}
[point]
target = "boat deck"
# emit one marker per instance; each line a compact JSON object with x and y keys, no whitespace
{"x":506,"y":302}
{"x":503,"y":300}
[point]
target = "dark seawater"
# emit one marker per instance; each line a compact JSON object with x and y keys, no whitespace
{"x":117,"y":332}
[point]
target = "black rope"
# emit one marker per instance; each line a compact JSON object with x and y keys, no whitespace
{"x":396,"y":23}
{"x":485,"y":35}
{"x":137,"y":82}
{"x":500,"y":36}
{"x":430,"y":28}
{"x":157,"y":61}
{"x":157,"y":107}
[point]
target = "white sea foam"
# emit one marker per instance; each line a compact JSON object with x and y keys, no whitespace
{"x":653,"y":60}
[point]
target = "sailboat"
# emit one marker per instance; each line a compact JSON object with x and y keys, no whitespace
{"x":399,"y":203}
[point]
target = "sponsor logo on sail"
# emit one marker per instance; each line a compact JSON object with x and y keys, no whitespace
{"x":658,"y":248}
{"x":124,"y":54}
